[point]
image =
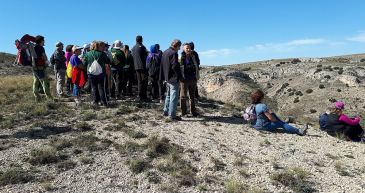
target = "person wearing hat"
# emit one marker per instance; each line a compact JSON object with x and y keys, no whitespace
{"x":108,"y":77}
{"x":117,"y":64}
{"x":339,"y":124}
{"x":78,"y":73}
{"x":58,"y":60}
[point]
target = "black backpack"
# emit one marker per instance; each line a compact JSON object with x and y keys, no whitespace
{"x":154,"y":67}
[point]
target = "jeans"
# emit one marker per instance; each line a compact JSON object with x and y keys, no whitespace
{"x":98,"y":88}
{"x":272,"y":126}
{"x":188,"y":87}
{"x":76,"y":91}
{"x":171,"y":99}
{"x":60,"y":80}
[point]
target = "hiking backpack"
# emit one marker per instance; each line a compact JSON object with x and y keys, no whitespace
{"x":323,"y":121}
{"x":250,"y":114}
{"x":153,"y":67}
{"x":26,"y":54}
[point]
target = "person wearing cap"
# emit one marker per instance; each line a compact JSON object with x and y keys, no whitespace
{"x":97,"y":80}
{"x":78,"y":73}
{"x":58,"y":60}
{"x":172,"y":75}
{"x":269,"y":121}
{"x":140,"y":53}
{"x":339,"y":124}
{"x":86,"y":49}
{"x":117,"y":64}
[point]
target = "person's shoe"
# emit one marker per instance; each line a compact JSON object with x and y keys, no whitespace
{"x":162,"y":101}
{"x":195,"y":114}
{"x":177,"y":118}
{"x":165,"y":114}
{"x":303,"y":131}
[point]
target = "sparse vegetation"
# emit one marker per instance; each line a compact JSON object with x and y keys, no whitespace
{"x":296,"y":179}
{"x":138,"y":165}
{"x":341,"y":169}
{"x":66,"y":165}
{"x":234,"y":186}
{"x":45,"y":156}
{"x":218,"y":164}
{"x":321,"y":86}
{"x":15,"y":176}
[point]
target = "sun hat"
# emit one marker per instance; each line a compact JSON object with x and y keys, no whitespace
{"x":117,"y":44}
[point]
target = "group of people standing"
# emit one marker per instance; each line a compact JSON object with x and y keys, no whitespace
{"x":110,"y":73}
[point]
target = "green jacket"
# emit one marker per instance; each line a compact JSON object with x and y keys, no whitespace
{"x":118,"y":58}
{"x":96,"y":55}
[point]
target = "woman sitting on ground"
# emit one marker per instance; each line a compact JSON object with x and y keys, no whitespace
{"x":339,"y":124}
{"x":268,"y":121}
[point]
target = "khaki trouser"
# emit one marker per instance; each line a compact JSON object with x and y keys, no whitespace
{"x":40,"y":78}
{"x":60,"y":81}
{"x":187,"y":87}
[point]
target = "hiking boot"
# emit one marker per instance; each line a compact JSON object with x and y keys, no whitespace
{"x":303,"y":131}
{"x":195,"y":114}
{"x":165,"y":114}
{"x":177,"y":118}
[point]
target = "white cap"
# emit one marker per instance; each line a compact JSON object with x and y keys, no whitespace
{"x":86,"y":46}
{"x":118,"y":44}
{"x":74,"y":48}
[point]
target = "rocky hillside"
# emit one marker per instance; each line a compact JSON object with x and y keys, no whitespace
{"x":302,"y":88}
{"x":55,"y":146}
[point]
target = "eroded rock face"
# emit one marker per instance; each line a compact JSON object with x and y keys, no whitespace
{"x":227,"y":86}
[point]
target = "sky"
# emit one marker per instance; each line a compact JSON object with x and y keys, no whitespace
{"x":224,"y":32}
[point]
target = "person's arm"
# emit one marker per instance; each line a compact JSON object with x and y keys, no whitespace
{"x":176,"y":65}
{"x":348,"y":120}
{"x":270,"y":116}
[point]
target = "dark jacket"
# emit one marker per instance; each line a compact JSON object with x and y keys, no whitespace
{"x":129,"y":63}
{"x":334,"y":125}
{"x":170,"y":66}
{"x":188,"y":65}
{"x":58,"y":59}
{"x":139,"y":53}
{"x":196,"y":55}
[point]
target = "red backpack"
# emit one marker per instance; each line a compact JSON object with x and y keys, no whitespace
{"x":26,"y":55}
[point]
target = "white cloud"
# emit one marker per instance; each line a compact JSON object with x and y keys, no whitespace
{"x":358,"y":38}
{"x":218,"y":52}
{"x":305,"y":42}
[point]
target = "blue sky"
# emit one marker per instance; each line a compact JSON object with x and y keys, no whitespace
{"x":225,"y":32}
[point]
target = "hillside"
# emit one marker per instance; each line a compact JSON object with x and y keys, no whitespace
{"x":131,"y":147}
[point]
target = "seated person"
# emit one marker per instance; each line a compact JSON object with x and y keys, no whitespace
{"x":340,"y":124}
{"x":269,"y":121}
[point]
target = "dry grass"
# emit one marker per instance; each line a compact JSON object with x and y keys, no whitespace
{"x":296,"y":179}
{"x":15,"y":176}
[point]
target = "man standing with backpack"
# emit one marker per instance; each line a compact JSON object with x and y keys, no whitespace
{"x":172,"y":75}
{"x":139,"y":53}
{"x":118,"y":62}
{"x":39,"y":69}
{"x":196,"y":55}
{"x":58,"y":60}
{"x":153,"y":66}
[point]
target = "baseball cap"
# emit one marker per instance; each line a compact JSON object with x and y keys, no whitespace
{"x":59,"y":44}
{"x":74,"y":48}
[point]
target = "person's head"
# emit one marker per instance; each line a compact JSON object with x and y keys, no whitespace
{"x":187,"y":48}
{"x":86,"y":47}
{"x":139,"y":39}
{"x":59,"y":46}
{"x":338,"y":107}
{"x":69,"y":48}
{"x":39,"y":40}
{"x":126,"y":49}
{"x":257,"y":96}
{"x":117,"y":44}
{"x":176,"y":44}
{"x":158,"y":46}
{"x":153,"y":49}
{"x":106,"y":46}
{"x":192,"y":46}
{"x":76,"y":50}
{"x":100,"y":46}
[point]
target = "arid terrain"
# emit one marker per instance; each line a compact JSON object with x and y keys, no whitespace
{"x":54,"y":146}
